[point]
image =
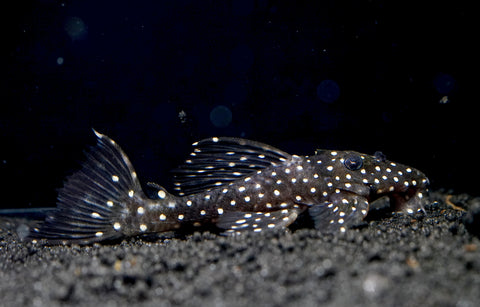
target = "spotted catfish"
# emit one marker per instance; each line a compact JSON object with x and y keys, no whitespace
{"x":236,"y":184}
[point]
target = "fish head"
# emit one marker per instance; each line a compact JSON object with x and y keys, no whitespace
{"x":373,"y":176}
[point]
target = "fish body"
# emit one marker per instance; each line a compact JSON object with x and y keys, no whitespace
{"x":236,"y":184}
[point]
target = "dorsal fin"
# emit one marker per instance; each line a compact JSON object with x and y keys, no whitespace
{"x":218,"y":161}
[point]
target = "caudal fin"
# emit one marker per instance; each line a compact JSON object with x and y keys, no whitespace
{"x":92,"y":199}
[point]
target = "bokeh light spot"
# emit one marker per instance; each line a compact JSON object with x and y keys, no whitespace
{"x":444,"y":83}
{"x":328,"y":91}
{"x":221,"y":116}
{"x":75,"y":28}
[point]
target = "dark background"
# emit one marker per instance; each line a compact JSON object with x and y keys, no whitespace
{"x":158,"y":75}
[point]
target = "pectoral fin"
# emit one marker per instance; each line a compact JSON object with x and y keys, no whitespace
{"x":339,"y":213}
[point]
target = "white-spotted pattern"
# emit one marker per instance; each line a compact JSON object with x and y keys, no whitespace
{"x":238,"y":185}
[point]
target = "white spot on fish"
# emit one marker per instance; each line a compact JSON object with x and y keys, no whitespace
{"x":162,"y":194}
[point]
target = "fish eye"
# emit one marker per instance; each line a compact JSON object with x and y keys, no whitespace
{"x":353,"y":162}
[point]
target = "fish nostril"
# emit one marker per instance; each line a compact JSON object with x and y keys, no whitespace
{"x":380,"y":156}
{"x":373,"y":189}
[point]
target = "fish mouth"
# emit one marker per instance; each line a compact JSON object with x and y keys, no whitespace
{"x":409,"y":200}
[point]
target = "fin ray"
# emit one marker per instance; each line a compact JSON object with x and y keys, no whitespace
{"x":92,"y":198}
{"x":219,"y":161}
{"x":236,"y":222}
{"x":339,"y":213}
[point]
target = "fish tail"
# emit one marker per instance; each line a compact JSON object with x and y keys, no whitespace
{"x":93,"y":199}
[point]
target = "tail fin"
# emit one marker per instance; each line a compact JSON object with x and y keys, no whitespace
{"x":93,"y":198}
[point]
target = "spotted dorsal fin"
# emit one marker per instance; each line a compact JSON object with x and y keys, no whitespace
{"x":218,"y":161}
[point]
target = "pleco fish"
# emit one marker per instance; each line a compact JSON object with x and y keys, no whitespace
{"x":236,"y":184}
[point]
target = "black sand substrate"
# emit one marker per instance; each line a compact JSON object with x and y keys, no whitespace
{"x":391,"y":260}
